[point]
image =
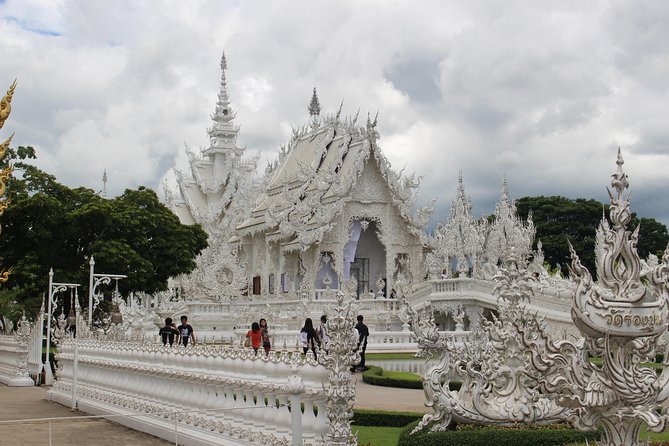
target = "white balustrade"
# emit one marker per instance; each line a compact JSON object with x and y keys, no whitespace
{"x":14,"y":355}
{"x":223,"y":395}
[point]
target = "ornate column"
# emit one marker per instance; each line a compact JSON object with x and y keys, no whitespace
{"x":339,"y":389}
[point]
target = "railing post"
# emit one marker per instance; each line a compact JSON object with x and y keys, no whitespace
{"x":75,"y":364}
{"x":296,"y":419}
{"x":339,"y":389}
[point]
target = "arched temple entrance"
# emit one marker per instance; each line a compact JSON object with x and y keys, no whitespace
{"x":365,"y":258}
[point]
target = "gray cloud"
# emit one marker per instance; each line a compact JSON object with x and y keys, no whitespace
{"x":542,"y":92}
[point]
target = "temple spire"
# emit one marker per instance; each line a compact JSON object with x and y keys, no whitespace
{"x":104,"y":184}
{"x":314,"y":105}
{"x":223,"y":134}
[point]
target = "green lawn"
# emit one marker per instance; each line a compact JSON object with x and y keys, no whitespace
{"x":377,"y":436}
{"x":407,"y":376}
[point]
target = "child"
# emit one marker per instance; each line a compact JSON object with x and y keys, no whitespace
{"x":266,"y":344}
{"x":255,"y":335}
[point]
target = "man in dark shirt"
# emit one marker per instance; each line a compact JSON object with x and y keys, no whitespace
{"x":363,"y":333}
{"x":168,"y":332}
{"x":186,"y":331}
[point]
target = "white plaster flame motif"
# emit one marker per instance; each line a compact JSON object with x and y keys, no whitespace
{"x":621,"y":319}
{"x":498,"y":384}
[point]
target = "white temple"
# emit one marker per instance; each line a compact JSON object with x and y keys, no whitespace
{"x":330,"y":213}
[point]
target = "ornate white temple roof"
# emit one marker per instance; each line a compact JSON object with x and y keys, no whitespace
{"x":315,"y":175}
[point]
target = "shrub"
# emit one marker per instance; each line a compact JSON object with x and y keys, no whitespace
{"x":552,"y":435}
{"x":374,"y":376}
{"x":380,"y":418}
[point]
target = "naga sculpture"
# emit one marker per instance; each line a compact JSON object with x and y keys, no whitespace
{"x":5,"y":110}
{"x":621,"y":318}
{"x":499,"y":385}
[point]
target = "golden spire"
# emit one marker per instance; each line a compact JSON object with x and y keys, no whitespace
{"x":6,"y":104}
{"x":5,"y":110}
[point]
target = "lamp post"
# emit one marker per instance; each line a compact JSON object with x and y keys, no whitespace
{"x":93,"y":281}
{"x":54,"y":288}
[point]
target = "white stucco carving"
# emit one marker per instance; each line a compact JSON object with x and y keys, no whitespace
{"x":621,"y":319}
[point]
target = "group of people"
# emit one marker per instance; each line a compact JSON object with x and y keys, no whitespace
{"x":311,"y":338}
{"x":258,"y":336}
{"x":184,"y":332}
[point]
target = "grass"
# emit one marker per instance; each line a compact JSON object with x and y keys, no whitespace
{"x":406,"y":376}
{"x":377,"y":436}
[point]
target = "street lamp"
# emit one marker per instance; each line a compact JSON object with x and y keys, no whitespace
{"x":93,"y":282}
{"x":54,"y":288}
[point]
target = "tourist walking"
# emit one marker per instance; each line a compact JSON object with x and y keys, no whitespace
{"x":254,"y":337}
{"x":309,"y":337}
{"x":363,"y":334}
{"x":323,"y":333}
{"x":264,"y":332}
{"x":168,"y":332}
{"x":186,"y":331}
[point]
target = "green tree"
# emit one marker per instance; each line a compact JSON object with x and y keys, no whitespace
{"x":49,"y":225}
{"x":558,"y":219}
{"x":653,"y":236}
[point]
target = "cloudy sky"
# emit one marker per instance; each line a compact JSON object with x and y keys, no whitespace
{"x":541,"y":92}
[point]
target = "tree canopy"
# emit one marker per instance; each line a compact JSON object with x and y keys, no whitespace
{"x":558,"y":219}
{"x":49,"y":225}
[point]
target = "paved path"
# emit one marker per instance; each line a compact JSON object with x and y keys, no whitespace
{"x":20,"y":403}
{"x":17,"y":403}
{"x":388,"y":398}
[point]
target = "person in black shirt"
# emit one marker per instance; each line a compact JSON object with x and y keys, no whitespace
{"x":186,"y":331}
{"x":168,"y":332}
{"x":363,"y":334}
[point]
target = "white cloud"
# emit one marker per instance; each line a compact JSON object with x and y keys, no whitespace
{"x":541,"y":92}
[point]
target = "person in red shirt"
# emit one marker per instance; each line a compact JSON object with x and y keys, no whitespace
{"x":255,"y":335}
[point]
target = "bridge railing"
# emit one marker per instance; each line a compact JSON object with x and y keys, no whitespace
{"x":213,"y":394}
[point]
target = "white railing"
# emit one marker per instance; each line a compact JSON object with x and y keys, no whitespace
{"x":227,"y":392}
{"x":214,"y":394}
{"x":14,"y":350}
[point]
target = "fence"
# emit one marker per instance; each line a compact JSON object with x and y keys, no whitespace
{"x":14,"y":352}
{"x":214,"y":395}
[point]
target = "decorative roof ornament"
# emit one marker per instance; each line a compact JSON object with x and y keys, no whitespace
{"x":6,"y":104}
{"x":508,"y":230}
{"x":5,"y":174}
{"x":461,"y":237}
{"x":314,"y":106}
{"x":621,"y":319}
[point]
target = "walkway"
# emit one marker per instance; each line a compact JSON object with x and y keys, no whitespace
{"x":31,"y":402}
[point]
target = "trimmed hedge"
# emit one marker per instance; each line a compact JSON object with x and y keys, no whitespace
{"x":553,"y":435}
{"x":380,"y":418}
{"x":374,"y":375}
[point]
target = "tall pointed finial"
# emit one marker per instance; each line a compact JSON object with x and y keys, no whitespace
{"x":6,"y":104}
{"x":314,"y":105}
{"x":223,"y":133}
{"x":104,"y":184}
